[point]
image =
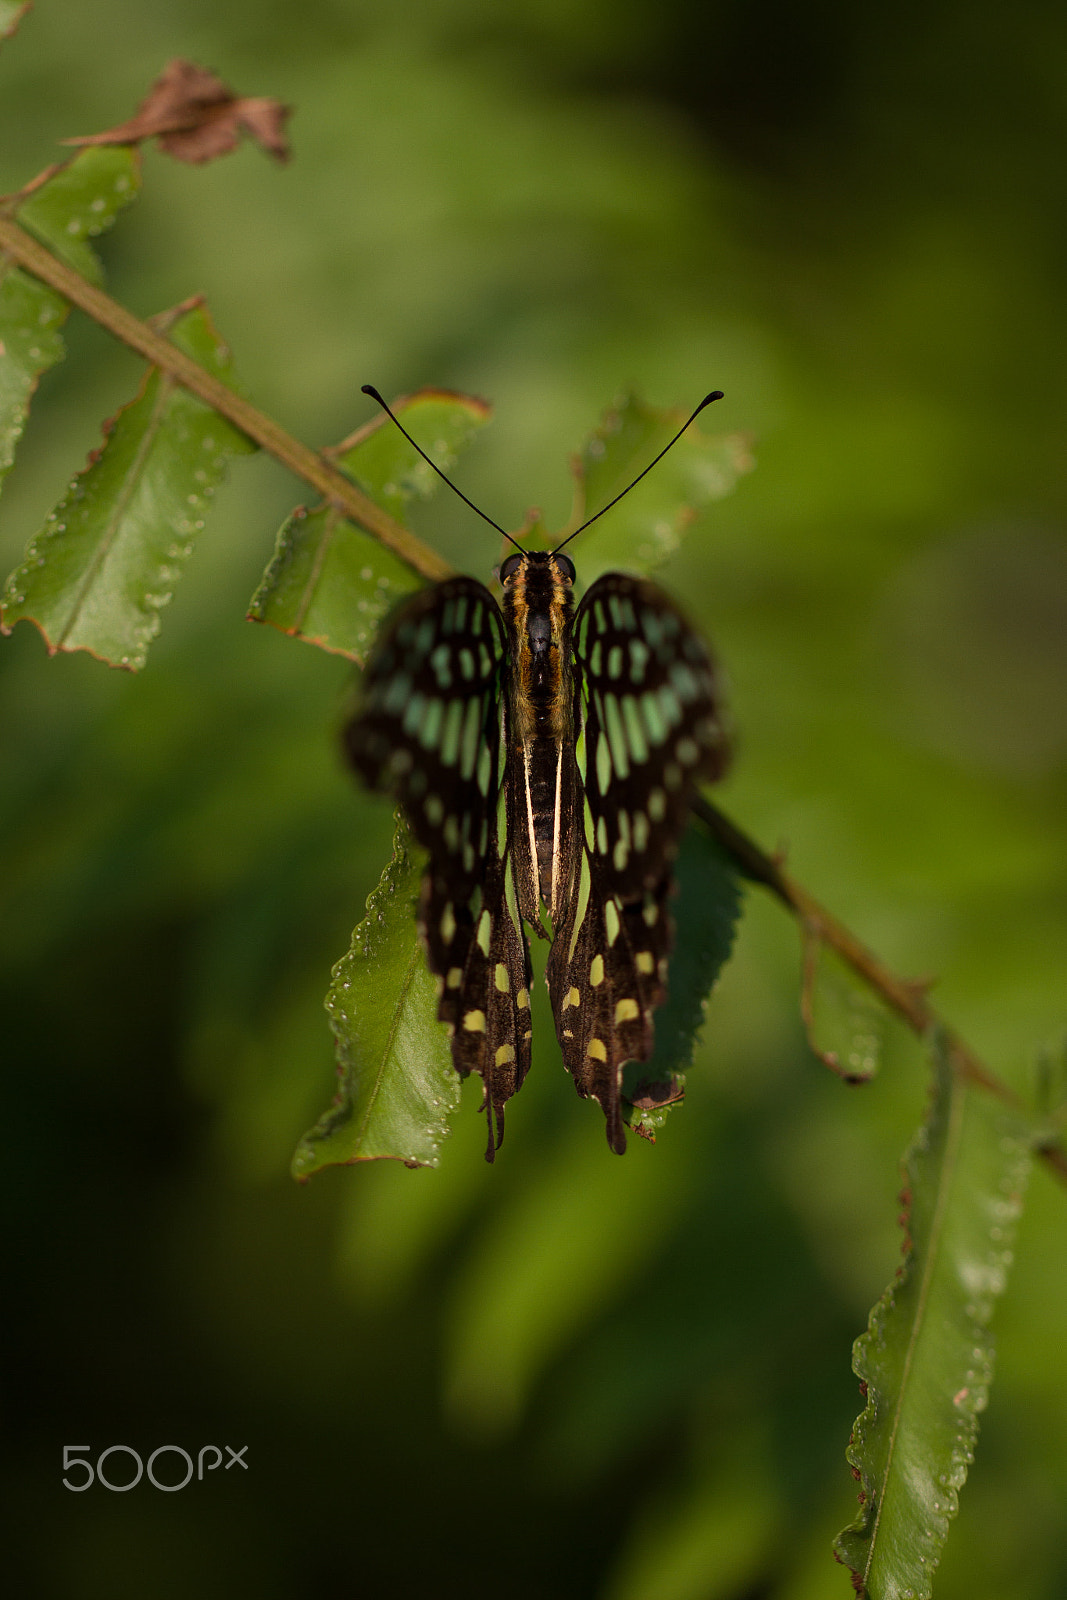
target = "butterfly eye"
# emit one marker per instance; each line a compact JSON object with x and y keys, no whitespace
{"x":565,"y":567}
{"x":509,"y":568}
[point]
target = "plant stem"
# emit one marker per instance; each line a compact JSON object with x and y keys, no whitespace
{"x":21,"y":247}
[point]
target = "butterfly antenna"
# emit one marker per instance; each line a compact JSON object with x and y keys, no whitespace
{"x":716,"y":394}
{"x":368,"y":388}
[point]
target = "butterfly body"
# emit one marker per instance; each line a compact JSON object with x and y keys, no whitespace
{"x":545,"y":756}
{"x":538,"y":613}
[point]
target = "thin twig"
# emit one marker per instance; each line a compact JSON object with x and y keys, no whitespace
{"x":21,"y":247}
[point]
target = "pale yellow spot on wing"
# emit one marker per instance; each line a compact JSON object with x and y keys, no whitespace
{"x":505,"y":1053}
{"x":501,"y":977}
{"x":474,"y":1021}
{"x":596,"y":971}
{"x":597,"y":1049}
{"x":626,"y":1011}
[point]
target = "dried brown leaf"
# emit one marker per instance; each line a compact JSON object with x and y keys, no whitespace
{"x":196,"y":118}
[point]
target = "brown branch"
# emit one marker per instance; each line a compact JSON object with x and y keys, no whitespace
{"x":21,"y":247}
{"x":907,"y":1000}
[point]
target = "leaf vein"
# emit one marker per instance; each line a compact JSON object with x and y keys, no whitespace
{"x":409,"y":978}
{"x":303,"y":605}
{"x":952,"y":1141}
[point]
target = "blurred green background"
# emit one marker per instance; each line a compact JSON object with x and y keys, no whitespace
{"x":567,"y":1374}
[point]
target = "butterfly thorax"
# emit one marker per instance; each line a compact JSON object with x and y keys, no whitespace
{"x":538,"y":612}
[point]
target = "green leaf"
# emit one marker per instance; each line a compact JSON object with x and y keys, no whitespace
{"x":31,"y":316}
{"x":105,"y":564}
{"x":380,"y":460}
{"x":79,"y":200}
{"x":705,"y":910}
{"x":647,"y":526}
{"x":844,"y":1019}
{"x":331,"y":583}
{"x":926,"y":1360}
{"x":398,"y":1087}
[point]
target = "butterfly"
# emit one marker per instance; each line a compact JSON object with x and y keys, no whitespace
{"x":545,"y":755}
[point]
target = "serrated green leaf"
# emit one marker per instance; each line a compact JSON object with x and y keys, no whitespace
{"x":381,"y":461}
{"x":398,"y":1087}
{"x":844,"y":1019}
{"x":926,"y":1359}
{"x":647,"y":526}
{"x":105,"y":564}
{"x":705,"y":910}
{"x":81,"y":199}
{"x":31,"y":316}
{"x":329,"y":582}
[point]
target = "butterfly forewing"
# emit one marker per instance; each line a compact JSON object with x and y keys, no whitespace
{"x":433,"y":731}
{"x":648,"y":725}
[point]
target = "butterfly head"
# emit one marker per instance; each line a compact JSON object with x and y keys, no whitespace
{"x":538,"y":597}
{"x":537,"y":566}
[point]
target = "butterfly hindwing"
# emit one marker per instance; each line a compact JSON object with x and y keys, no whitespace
{"x":432,"y":731}
{"x":606,"y":974}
